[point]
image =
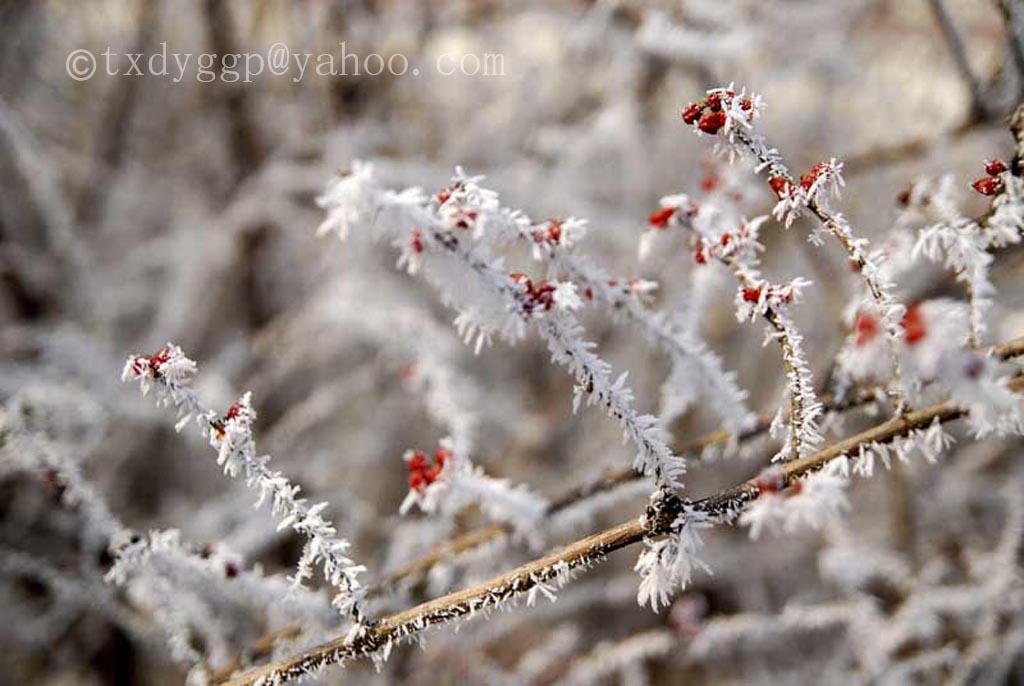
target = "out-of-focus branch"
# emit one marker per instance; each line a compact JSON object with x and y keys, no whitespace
{"x":1013,"y":16}
{"x":959,"y":54}
{"x":115,"y":124}
{"x":588,"y":551}
{"x":1017,"y":129}
{"x":245,"y":140}
{"x":884,"y":155}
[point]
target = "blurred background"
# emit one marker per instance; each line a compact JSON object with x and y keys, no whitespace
{"x":136,"y":210}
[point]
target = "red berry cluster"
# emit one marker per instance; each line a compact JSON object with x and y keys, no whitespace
{"x":141,"y":364}
{"x":709,"y":114}
{"x":993,"y":183}
{"x":423,"y":472}
{"x":417,"y":241}
{"x":550,"y":232}
{"x":751,"y":295}
{"x":539,"y":296}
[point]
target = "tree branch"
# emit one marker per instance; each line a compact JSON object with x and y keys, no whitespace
{"x":959,"y":54}
{"x":557,"y":567}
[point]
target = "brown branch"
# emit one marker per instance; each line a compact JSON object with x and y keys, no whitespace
{"x":448,"y":608}
{"x":1017,"y":129}
{"x":959,"y":54}
{"x":245,"y":139}
{"x":112,"y":136}
{"x":588,"y":551}
{"x":1013,"y":16}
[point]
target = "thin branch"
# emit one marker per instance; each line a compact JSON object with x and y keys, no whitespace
{"x":1013,"y":15}
{"x":1017,"y":129}
{"x":959,"y":54}
{"x":584,"y":553}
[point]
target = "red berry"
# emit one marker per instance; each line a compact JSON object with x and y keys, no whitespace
{"x":417,"y":461}
{"x":692,"y":112}
{"x":709,"y":183}
{"x":714,"y":100}
{"x":903,"y":199}
{"x":588,"y":293}
{"x":913,"y":325}
{"x":779,"y":186}
{"x":746,"y":104}
{"x":994,"y":167}
{"x":866,"y":327}
{"x":160,"y":357}
{"x":440,"y":455}
{"x":660,"y":218}
{"x":770,"y":481}
{"x":807,"y":180}
{"x":751,"y":295}
{"x":555,"y":230}
{"x":417,"y":481}
{"x":990,"y":185}
{"x":725,"y":239}
{"x":699,"y":257}
{"x":712,"y":122}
